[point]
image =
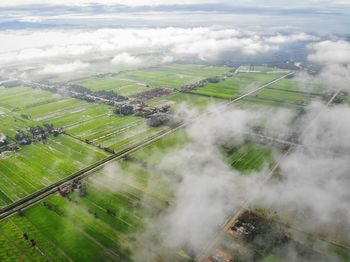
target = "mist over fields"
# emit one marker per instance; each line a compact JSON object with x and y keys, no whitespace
{"x":106,"y":73}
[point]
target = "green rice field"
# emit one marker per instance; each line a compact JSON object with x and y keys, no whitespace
{"x":132,"y":82}
{"x":40,"y":164}
{"x":118,"y":214}
{"x":236,"y":85}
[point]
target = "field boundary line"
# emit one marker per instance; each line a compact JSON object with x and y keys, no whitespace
{"x":53,"y":188}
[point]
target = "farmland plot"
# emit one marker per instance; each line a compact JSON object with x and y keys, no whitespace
{"x":10,"y":122}
{"x":236,"y":85}
{"x":23,"y":97}
{"x":103,"y":222}
{"x":41,"y":164}
{"x":130,"y":83}
{"x":177,"y":99}
{"x":250,"y":157}
{"x":118,"y":84}
{"x":284,"y":93}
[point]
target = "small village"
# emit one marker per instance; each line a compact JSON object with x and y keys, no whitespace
{"x":36,"y":134}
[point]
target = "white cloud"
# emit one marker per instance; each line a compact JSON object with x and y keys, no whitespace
{"x":103,"y":2}
{"x":330,"y":52}
{"x":334,"y":58}
{"x":31,"y":46}
{"x":267,"y":3}
{"x":63,"y":68}
{"x":283,"y":39}
{"x":125,"y":59}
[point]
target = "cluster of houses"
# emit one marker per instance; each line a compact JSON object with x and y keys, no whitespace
{"x":156,"y":116}
{"x":153,"y":93}
{"x":220,"y":256}
{"x":241,"y":229}
{"x":235,"y":251}
{"x":36,"y":133}
{"x":76,"y":186}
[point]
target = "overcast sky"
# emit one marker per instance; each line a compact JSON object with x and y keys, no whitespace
{"x":279,"y":3}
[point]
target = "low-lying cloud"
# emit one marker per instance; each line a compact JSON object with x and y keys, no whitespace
{"x":64,"y":68}
{"x":334,"y":59}
{"x":314,"y":187}
{"x":315,"y":183}
{"x":132,"y":46}
{"x":125,"y":59}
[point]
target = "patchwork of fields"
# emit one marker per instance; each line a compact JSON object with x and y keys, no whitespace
{"x":40,"y":164}
{"x":132,"y":82}
{"x":109,"y":220}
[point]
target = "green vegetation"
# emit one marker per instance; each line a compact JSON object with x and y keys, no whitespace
{"x":11,"y":122}
{"x":95,"y":124}
{"x":192,"y":100}
{"x":249,"y":157}
{"x":24,"y":97}
{"x":107,"y":221}
{"x":101,"y":225}
{"x":40,"y":164}
{"x":119,"y":84}
{"x":236,"y":85}
{"x":172,"y":76}
{"x":156,"y":151}
{"x":285,"y":93}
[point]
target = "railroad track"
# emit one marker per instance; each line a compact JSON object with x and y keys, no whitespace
{"x":36,"y":197}
{"x":53,"y":188}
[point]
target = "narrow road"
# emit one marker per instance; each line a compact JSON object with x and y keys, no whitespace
{"x":53,"y":188}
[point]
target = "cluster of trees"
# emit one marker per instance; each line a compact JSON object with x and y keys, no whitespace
{"x":158,"y":120}
{"x":53,"y":208}
{"x":36,"y":133}
{"x":5,"y":144}
{"x":271,"y":237}
{"x":204,"y":82}
{"x":30,"y":240}
{"x":86,"y":94}
{"x":124,"y":110}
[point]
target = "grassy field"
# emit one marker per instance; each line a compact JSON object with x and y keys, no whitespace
{"x":191,"y":100}
{"x":40,"y":164}
{"x":109,"y":222}
{"x":235,"y":85}
{"x":67,"y":112}
{"x":154,"y":153}
{"x":11,"y":122}
{"x":97,"y":124}
{"x":23,"y":97}
{"x":262,"y":69}
{"x":121,"y":85}
{"x":101,"y":226}
{"x":173,"y":76}
{"x":249,"y":157}
{"x":284,"y":93}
